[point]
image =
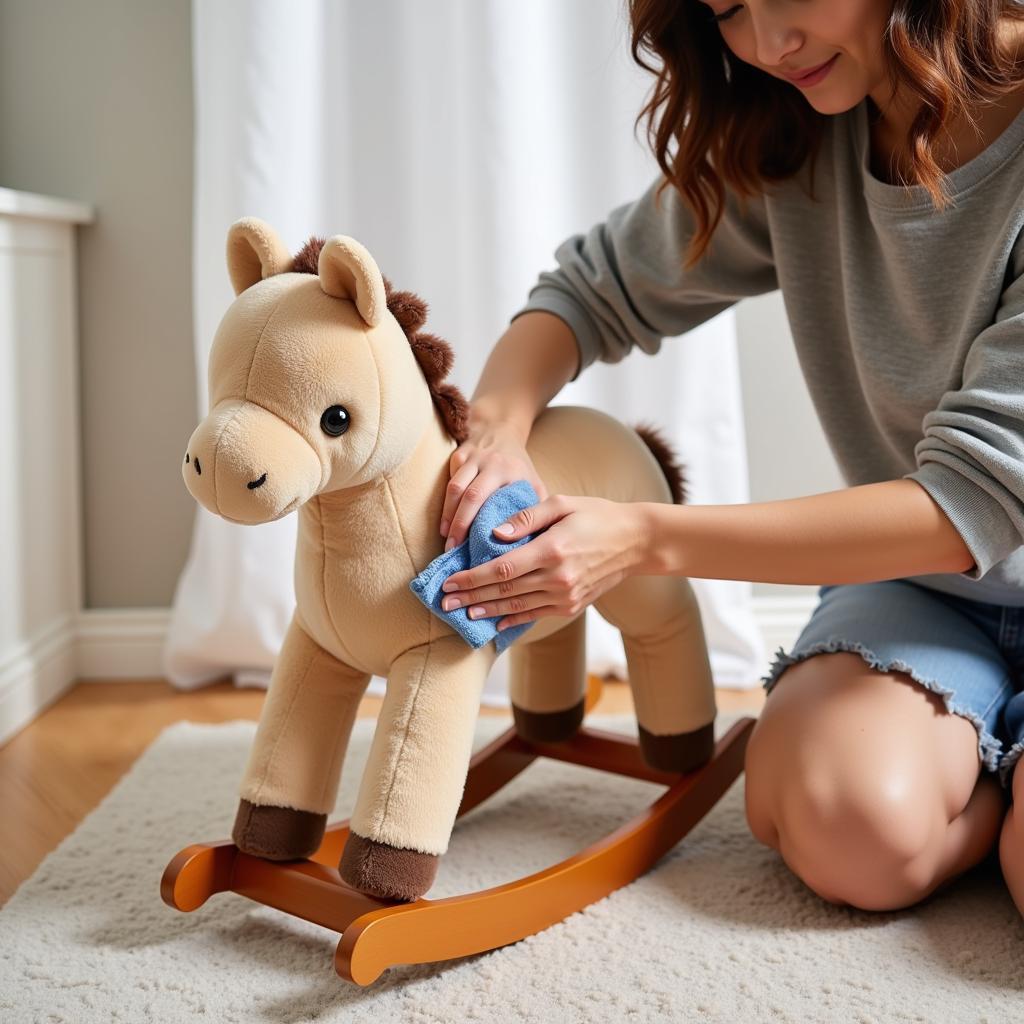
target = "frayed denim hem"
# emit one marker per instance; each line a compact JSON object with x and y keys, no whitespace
{"x":989,"y":748}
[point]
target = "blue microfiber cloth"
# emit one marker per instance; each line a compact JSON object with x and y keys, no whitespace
{"x":480,"y":545}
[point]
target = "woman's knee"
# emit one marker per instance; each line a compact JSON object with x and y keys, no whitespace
{"x":855,"y":813}
{"x":860,"y":841}
{"x":852,"y":840}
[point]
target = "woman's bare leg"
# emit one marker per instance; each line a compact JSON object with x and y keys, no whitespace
{"x":871,"y":791}
{"x":1011,"y":841}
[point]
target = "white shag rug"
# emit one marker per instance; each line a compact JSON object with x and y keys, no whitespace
{"x":720,"y":930}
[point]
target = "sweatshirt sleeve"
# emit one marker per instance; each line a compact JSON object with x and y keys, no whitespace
{"x":622,"y":284}
{"x":971,"y":457}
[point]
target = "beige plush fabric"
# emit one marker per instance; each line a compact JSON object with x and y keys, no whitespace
{"x":369,"y":500}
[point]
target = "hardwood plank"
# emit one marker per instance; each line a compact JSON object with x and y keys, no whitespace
{"x":59,"y":767}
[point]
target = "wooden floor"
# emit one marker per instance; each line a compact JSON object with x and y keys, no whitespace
{"x":60,"y":767}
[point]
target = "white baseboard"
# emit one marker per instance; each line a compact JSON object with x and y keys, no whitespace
{"x":33,"y":674}
{"x":122,"y":643}
{"x":127,"y":643}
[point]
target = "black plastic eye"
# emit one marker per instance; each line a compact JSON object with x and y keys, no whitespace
{"x":335,"y":421}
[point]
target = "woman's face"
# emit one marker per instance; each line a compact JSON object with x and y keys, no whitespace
{"x":784,"y":37}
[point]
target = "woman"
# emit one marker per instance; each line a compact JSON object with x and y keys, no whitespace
{"x":866,"y":157}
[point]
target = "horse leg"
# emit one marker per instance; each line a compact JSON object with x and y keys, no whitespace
{"x":669,"y":671}
{"x":291,"y":781}
{"x":415,"y":774}
{"x":548,"y":682}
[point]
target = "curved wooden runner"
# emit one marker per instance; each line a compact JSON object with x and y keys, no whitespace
{"x":377,"y":934}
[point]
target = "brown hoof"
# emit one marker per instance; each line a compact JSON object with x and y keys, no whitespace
{"x":548,"y":726}
{"x":682,"y":752}
{"x":277,"y":833}
{"x":386,"y":871}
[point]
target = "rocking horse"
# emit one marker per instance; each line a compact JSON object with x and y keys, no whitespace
{"x":326,"y":397}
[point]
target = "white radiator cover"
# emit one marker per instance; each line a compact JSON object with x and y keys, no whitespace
{"x":40,"y":429}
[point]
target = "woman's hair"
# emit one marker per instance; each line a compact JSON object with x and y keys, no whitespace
{"x":714,"y":119}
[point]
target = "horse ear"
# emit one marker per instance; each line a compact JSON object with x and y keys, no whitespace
{"x":254,"y":252}
{"x":348,"y":271}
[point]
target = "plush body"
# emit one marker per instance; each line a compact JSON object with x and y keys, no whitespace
{"x":368,"y":484}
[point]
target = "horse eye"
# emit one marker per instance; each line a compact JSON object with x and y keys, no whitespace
{"x":335,"y":421}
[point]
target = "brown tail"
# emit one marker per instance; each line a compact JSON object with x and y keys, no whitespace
{"x":666,"y":458}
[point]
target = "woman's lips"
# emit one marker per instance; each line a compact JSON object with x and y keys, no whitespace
{"x":814,"y":74}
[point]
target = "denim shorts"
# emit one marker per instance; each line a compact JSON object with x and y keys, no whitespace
{"x":969,"y":652}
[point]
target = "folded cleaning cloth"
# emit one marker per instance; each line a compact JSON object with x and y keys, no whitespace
{"x":480,"y":546}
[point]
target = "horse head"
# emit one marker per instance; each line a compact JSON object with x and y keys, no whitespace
{"x":319,"y":378}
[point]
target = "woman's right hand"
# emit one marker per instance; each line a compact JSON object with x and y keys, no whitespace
{"x":489,"y":458}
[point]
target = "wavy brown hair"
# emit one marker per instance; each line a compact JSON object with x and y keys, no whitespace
{"x":715,"y":120}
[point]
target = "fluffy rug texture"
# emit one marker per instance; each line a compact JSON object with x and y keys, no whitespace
{"x":719,"y":930}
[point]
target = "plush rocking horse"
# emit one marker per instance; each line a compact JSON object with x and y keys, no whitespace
{"x":326,"y":397}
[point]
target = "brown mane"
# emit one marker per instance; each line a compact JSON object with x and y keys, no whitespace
{"x":434,"y":355}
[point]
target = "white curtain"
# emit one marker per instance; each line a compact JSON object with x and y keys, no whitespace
{"x":460,"y":141}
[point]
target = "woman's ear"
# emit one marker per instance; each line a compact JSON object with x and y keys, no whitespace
{"x":348,"y":271}
{"x":254,"y":253}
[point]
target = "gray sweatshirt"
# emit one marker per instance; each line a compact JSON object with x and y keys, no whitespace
{"x":908,"y":322}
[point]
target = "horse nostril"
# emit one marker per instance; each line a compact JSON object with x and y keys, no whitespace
{"x":186,"y":458}
{"x":253,"y":484}
{"x":199,"y":469}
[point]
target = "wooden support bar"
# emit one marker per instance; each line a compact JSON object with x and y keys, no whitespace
{"x":606,"y":751}
{"x":304,"y":888}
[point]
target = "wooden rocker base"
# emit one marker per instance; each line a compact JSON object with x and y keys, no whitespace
{"x":377,"y":934}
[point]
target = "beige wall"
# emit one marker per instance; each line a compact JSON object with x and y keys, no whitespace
{"x":96,"y":104}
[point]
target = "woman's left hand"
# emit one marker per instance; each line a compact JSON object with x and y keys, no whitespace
{"x":592,"y":545}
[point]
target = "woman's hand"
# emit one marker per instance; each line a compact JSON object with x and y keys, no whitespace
{"x":489,"y":458}
{"x":587,"y":547}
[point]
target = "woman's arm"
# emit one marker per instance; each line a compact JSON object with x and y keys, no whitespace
{"x":872,"y":532}
{"x":530,"y":363}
